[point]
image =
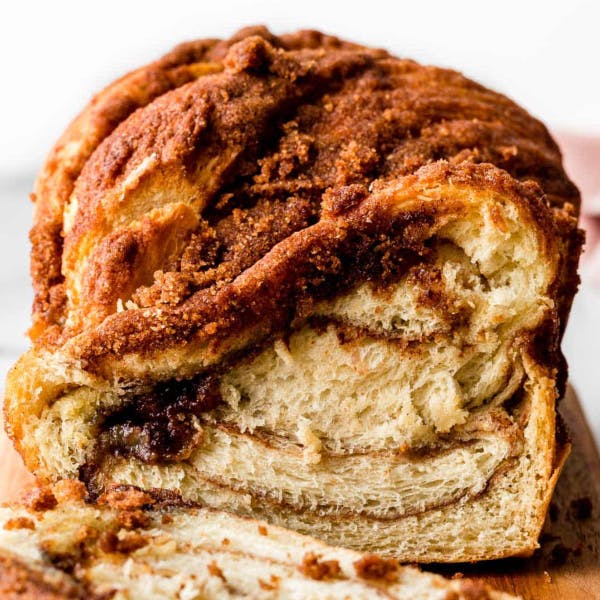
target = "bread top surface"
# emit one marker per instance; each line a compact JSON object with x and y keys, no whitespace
{"x":230,"y":173}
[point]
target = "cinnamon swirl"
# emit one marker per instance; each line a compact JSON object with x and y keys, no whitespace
{"x":305,"y":281}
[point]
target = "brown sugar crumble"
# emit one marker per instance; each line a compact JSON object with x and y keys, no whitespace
{"x":39,"y":498}
{"x":215,"y":570}
{"x":373,"y":566}
{"x":85,"y":535}
{"x":133,"y":519}
{"x":110,"y":542}
{"x":19,"y":523}
{"x":318,"y":569}
{"x":126,"y":499}
{"x":131,"y":542}
{"x":262,"y":530}
{"x":271,"y":585}
{"x":69,"y":490}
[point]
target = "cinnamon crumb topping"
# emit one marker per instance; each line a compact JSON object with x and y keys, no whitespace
{"x":131,"y":541}
{"x":270,"y":586}
{"x":69,"y":490}
{"x":39,"y":498}
{"x":84,"y":535}
{"x":19,"y":523}
{"x":318,"y":569}
{"x":126,"y":499}
{"x":133,"y":519}
{"x":373,"y":566}
{"x":108,"y":541}
{"x":215,"y":571}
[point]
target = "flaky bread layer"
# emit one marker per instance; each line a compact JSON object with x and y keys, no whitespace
{"x":323,"y":434}
{"x":495,"y":264}
{"x":504,"y":518}
{"x":127,"y":547}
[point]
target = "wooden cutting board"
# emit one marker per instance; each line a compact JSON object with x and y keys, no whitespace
{"x":566,"y":567}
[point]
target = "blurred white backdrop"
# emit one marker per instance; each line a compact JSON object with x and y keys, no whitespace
{"x":55,"y":55}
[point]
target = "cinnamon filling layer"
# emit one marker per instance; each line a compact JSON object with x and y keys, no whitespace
{"x":162,"y":425}
{"x":379,"y":369}
{"x":404,"y":350}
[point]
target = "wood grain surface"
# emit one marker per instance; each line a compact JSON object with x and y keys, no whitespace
{"x":567,"y":565}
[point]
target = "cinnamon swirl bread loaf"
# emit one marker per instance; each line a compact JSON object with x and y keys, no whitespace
{"x":305,"y":281}
{"x":135,"y":546}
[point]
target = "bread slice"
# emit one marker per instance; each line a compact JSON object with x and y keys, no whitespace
{"x":318,"y":285}
{"x":132,"y":546}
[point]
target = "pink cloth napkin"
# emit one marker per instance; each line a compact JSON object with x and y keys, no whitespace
{"x":582,"y":162}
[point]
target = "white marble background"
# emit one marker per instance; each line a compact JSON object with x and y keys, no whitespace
{"x":56,"y":54}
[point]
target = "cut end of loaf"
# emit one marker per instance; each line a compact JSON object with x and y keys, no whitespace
{"x":305,"y":280}
{"x":407,"y":406}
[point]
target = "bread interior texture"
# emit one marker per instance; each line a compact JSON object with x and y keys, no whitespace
{"x":122,"y":551}
{"x":389,"y":404}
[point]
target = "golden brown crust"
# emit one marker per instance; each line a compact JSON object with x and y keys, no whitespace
{"x":370,"y":239}
{"x":113,"y":105}
{"x":55,"y":182}
{"x":237,"y":145}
